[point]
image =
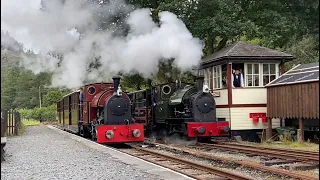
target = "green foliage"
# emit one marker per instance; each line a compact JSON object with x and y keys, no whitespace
{"x":52,"y":97}
{"x":41,"y":114}
{"x":30,"y":122}
{"x":132,"y":81}
{"x":305,"y":51}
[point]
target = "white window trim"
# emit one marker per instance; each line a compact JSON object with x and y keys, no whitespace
{"x":276,"y":72}
{"x":260,"y":73}
{"x":219,"y":78}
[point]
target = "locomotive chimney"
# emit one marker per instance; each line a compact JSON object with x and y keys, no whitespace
{"x":149,"y":82}
{"x":200,"y":80}
{"x":116,"y":82}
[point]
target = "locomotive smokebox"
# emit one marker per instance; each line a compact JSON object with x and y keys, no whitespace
{"x":200,"y":80}
{"x":116,"y":82}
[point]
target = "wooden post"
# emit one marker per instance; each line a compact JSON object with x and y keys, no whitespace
{"x":269,"y":129}
{"x":229,"y":83}
{"x":301,"y":131}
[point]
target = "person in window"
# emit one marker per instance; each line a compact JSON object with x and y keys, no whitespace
{"x":237,"y":78}
{"x":81,"y":98}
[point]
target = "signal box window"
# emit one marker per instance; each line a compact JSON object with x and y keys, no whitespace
{"x":217,"y":80}
{"x":269,"y":73}
{"x":207,"y":76}
{"x":252,"y":75}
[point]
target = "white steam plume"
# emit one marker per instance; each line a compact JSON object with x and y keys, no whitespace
{"x":59,"y":28}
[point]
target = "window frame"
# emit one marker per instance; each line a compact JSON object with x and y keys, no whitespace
{"x":219,"y":78}
{"x":269,"y":72}
{"x":246,"y":74}
{"x":261,"y":74}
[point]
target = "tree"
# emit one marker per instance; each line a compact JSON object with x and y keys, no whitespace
{"x":132,"y":81}
{"x":304,"y":50}
{"x":52,"y":97}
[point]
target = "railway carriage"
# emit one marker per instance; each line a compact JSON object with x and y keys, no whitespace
{"x":104,"y":115}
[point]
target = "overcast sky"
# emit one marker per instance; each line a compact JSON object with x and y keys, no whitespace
{"x":18,"y":7}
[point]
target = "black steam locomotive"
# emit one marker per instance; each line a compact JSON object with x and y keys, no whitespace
{"x":178,"y":108}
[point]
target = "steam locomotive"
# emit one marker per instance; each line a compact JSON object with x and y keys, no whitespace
{"x":178,"y":109}
{"x":105,"y":115}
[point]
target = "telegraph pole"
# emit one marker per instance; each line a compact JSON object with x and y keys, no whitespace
{"x":40,"y":95}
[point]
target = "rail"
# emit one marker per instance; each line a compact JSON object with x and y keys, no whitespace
{"x":203,"y":169}
{"x":278,"y":153}
{"x":252,"y":165}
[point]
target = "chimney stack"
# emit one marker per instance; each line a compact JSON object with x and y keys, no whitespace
{"x":200,"y":81}
{"x":116,"y":82}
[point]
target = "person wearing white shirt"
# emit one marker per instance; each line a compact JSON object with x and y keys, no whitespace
{"x":237,"y":78}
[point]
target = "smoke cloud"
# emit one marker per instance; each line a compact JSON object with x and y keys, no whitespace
{"x":74,"y":30}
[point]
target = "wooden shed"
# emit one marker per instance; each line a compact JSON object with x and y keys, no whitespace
{"x":295,"y":95}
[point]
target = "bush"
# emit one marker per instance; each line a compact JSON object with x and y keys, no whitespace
{"x":42,"y":114}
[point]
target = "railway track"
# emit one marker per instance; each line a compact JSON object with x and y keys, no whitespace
{"x":252,"y":165}
{"x":199,"y":171}
{"x":288,"y":154}
{"x":189,"y":168}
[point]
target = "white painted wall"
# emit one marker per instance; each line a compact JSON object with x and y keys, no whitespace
{"x":249,"y":96}
{"x":223,"y":98}
{"x":240,"y":119}
{"x":223,"y":113}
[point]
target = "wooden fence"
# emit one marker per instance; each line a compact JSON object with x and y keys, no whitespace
{"x":12,"y":122}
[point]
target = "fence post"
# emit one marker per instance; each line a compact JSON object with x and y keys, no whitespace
{"x":4,"y":124}
{"x":17,"y":122}
{"x":5,"y":117}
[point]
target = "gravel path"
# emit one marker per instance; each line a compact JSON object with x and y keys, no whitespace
{"x":42,"y":153}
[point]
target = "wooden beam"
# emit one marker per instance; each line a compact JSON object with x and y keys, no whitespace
{"x":301,"y":131}
{"x":229,"y":83}
{"x":269,"y":129}
{"x":282,"y":68}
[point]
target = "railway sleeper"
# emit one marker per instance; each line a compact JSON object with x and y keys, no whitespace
{"x":300,"y":166}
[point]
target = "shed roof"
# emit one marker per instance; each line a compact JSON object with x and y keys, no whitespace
{"x":299,"y":74}
{"x":242,"y":49}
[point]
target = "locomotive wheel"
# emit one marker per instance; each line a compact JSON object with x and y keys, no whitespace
{"x":173,"y":138}
{"x":84,"y":131}
{"x":94,"y":134}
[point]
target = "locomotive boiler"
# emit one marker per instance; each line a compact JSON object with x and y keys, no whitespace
{"x":178,"y":108}
{"x":104,"y":115}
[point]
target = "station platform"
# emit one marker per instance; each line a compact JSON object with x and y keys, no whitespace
{"x":45,"y":152}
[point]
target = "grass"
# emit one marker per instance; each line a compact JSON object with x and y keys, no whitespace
{"x":26,"y":123}
{"x":31,"y":122}
{"x":306,"y":146}
{"x":289,"y":144}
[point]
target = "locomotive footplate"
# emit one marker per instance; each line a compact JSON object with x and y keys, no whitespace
{"x":212,"y":129}
{"x":120,"y":133}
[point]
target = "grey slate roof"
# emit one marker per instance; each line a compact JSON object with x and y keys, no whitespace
{"x":243,"y":49}
{"x":298,"y":74}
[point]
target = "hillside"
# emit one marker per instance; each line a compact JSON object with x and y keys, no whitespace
{"x":9,"y":58}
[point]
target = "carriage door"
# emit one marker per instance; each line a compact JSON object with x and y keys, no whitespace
{"x":70,"y":110}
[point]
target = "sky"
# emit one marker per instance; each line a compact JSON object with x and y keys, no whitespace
{"x":21,"y":6}
{"x":145,"y":44}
